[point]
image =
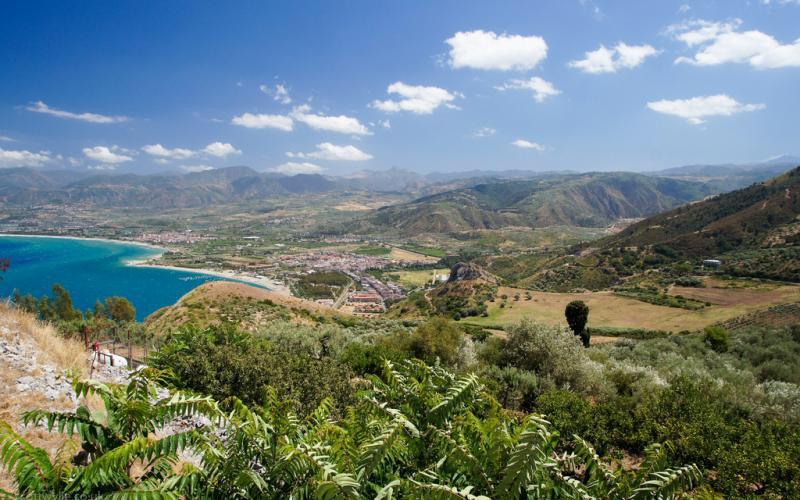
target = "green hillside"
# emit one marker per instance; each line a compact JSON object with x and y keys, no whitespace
{"x":755,"y":231}
{"x":585,"y":200}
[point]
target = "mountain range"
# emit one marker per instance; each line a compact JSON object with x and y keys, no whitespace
{"x":505,"y":198}
{"x":589,"y":200}
{"x":759,"y":216}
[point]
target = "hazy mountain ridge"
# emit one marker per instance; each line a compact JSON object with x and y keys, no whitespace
{"x":590,"y":200}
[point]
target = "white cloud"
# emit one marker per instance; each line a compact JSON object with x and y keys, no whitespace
{"x":385,"y":124}
{"x":251,"y":120}
{"x":218,"y":149}
{"x":484,"y":132}
{"x":782,"y":2}
{"x":328,"y":151}
{"x":416,"y":99}
{"x":5,"y":138}
{"x":164,"y":153}
{"x":722,"y":43}
{"x":292,"y":168}
{"x":196,"y":168}
{"x":542,"y":89}
{"x":106,"y":155}
{"x":522,"y":143}
{"x":684,"y":8}
{"x":23,"y":158}
{"x":221,"y":149}
{"x":697,"y":109}
{"x":341,"y":124}
{"x":488,"y":50}
{"x":605,"y":60}
{"x":280,"y":93}
{"x":41,"y":107}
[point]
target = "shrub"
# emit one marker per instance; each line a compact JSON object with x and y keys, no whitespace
{"x":549,"y":351}
{"x":716,"y":337}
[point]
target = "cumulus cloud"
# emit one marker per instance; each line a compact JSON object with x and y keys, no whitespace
{"x":417,"y":99}
{"x":292,"y":168}
{"x":542,"y":89}
{"x":484,"y":132}
{"x":697,"y":109}
{"x":332,"y":152}
{"x":488,"y":50}
{"x":621,"y":56}
{"x":280,"y":93}
{"x":522,"y":143}
{"x":196,"y":168}
{"x":250,"y":120}
{"x":107,"y":156}
{"x":684,"y":8}
{"x":221,"y":149}
{"x":723,"y":43}
{"x":341,"y":123}
{"x":162,"y":152}
{"x":23,"y":158}
{"x":41,"y":107}
{"x":782,"y":2}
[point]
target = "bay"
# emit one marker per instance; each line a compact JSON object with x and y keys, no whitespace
{"x":92,"y":270}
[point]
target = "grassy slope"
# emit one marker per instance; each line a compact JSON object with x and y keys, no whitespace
{"x":609,"y":310}
{"x":244,"y":305}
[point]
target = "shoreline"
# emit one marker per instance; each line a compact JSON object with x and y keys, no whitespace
{"x":262,"y":281}
{"x":149,"y":246}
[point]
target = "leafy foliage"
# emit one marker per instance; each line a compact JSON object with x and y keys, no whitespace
{"x":418,"y":431}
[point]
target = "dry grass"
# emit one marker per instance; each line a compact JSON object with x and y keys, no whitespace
{"x":607,"y":309}
{"x":63,"y":354}
{"x":53,"y":350}
{"x":401,"y":255}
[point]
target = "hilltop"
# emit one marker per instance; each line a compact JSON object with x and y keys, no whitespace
{"x":587,"y":200}
{"x":247,"y":307}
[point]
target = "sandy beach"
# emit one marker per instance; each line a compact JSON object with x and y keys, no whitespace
{"x":262,"y":281}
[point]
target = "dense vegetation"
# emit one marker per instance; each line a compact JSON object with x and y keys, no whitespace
{"x":321,"y":284}
{"x":417,"y":432}
{"x":710,"y":398}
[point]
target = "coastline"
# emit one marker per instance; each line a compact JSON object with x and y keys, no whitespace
{"x":261,"y":281}
{"x":149,"y":246}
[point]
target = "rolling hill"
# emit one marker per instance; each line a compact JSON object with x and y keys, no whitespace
{"x":588,"y":200}
{"x":755,"y":231}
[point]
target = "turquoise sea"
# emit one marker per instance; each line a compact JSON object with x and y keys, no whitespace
{"x":91,"y":270}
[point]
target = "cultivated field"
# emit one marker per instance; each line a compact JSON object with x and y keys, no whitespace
{"x":408,"y":256}
{"x":609,"y":310}
{"x":419,"y":278}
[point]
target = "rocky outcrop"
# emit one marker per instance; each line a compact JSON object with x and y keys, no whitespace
{"x":470,"y":272}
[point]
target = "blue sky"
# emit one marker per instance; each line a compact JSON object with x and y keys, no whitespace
{"x":428,"y":86}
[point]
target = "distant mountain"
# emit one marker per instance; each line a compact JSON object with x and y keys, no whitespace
{"x":728,"y":177}
{"x":760,"y":216}
{"x":589,"y":200}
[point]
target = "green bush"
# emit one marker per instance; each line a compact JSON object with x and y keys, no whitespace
{"x":716,"y":337}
